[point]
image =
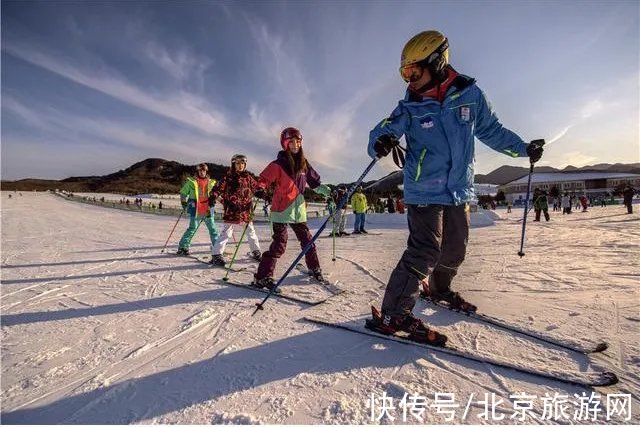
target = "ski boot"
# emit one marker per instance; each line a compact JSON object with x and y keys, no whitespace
{"x":317,"y":275}
{"x":453,"y":300}
{"x":356,"y":232}
{"x":417,"y":330}
{"x":257,"y":255}
{"x":182,"y":252}
{"x":363,"y":231}
{"x":264,"y":283}
{"x":217,"y":260}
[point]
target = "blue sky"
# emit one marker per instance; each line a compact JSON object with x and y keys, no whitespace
{"x":89,"y":87}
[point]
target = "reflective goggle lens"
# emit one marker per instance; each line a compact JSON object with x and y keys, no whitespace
{"x":411,"y":73}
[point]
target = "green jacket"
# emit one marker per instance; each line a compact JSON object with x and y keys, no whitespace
{"x":189,"y":190}
{"x":541,"y":203}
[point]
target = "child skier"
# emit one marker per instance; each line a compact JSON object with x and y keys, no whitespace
{"x":439,"y":117}
{"x":290,"y":173}
{"x":236,"y":190}
{"x":194,"y":197}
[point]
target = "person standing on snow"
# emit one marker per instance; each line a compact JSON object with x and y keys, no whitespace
{"x":566,"y":204}
{"x":290,"y":173}
{"x":540,"y":204}
{"x":194,"y":197}
{"x":340,"y":217}
{"x":359,"y":205}
{"x":628,"y":198}
{"x":236,"y":190}
{"x":439,"y":117}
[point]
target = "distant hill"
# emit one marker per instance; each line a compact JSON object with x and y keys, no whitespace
{"x":148,"y":176}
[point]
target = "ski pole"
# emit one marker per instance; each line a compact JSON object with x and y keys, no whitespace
{"x":341,"y":204}
{"x":172,"y":230}
{"x":244,"y":230}
{"x":333,"y":232}
{"x":526,"y":203}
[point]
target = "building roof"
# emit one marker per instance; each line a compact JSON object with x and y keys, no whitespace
{"x":544,"y":177}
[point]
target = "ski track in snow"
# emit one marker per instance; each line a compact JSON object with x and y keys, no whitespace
{"x":104,"y":328}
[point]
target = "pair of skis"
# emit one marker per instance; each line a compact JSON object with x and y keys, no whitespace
{"x":588,"y":379}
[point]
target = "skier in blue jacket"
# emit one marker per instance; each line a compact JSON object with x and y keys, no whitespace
{"x":440,"y":115}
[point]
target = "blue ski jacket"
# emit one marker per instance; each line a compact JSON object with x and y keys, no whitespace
{"x":440,"y":142}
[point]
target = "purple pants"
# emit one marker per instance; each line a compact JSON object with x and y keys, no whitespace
{"x":279,"y":245}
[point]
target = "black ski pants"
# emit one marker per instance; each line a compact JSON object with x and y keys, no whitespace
{"x":437,"y":245}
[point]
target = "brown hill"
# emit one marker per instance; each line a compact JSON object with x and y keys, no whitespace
{"x":148,"y":176}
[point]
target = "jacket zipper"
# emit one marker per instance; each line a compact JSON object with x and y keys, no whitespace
{"x":419,"y":169}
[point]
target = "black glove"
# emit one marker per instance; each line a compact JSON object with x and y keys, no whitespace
{"x":260,"y":194}
{"x":385,"y":144}
{"x":534,"y":150}
{"x":184,"y":204}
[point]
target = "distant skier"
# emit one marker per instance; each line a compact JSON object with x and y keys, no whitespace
{"x":439,"y":117}
{"x":290,"y":173}
{"x":391,"y":205}
{"x":584,"y":202}
{"x":627,"y":195}
{"x":509,"y":205}
{"x":566,"y":204}
{"x":340,"y":217}
{"x":540,"y":204}
{"x":194,"y":197}
{"x":400,"y":205}
{"x":236,"y":190}
{"x":359,"y":205}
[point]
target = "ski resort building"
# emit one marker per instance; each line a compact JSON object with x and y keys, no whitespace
{"x":594,"y":184}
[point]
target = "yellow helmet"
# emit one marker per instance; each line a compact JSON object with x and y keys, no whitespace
{"x":431,"y":48}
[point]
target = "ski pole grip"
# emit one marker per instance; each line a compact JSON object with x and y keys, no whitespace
{"x":539,"y":142}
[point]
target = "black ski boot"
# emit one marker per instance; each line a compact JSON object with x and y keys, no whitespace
{"x":317,"y":274}
{"x":217,"y":260}
{"x":182,"y":252}
{"x":417,"y":330}
{"x":456,"y":302}
{"x":264,"y":283}
{"x":257,"y":255}
{"x":453,"y":299}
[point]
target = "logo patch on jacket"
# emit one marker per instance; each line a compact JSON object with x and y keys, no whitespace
{"x":465,"y":114}
{"x":427,"y":123}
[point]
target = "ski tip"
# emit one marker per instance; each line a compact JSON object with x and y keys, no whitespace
{"x":601,"y":347}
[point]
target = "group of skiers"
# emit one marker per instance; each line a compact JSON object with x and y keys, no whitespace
{"x":286,"y":178}
{"x":441,"y":114}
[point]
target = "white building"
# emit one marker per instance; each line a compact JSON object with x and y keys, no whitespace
{"x":578,"y":183}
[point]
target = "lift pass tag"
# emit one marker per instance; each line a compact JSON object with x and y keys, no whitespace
{"x":465,"y":113}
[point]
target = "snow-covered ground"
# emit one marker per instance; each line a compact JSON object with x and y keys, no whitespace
{"x":99,"y":327}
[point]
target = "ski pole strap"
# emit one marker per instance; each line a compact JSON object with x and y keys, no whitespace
{"x":397,"y":153}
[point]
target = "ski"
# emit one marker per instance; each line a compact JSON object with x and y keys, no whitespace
{"x":566,"y":344}
{"x":583,"y":379}
{"x":277,"y":294}
{"x":205,"y":261}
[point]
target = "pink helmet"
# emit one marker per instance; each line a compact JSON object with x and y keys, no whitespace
{"x":287,"y":134}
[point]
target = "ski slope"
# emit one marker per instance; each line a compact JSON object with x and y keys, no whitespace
{"x":99,"y":327}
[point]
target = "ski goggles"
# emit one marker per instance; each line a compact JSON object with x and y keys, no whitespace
{"x":239,"y":159}
{"x":411,"y":73}
{"x":297,"y":138}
